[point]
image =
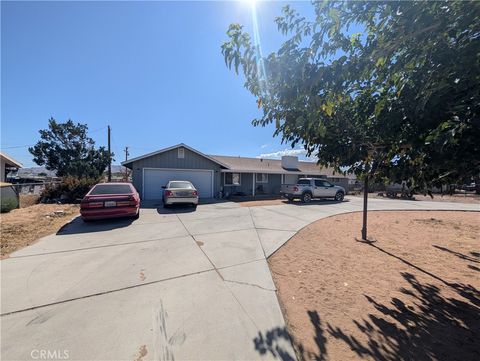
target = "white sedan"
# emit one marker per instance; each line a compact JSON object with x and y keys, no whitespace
{"x":179,"y":192}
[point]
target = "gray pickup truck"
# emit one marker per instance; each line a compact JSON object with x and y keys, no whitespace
{"x":308,"y":188}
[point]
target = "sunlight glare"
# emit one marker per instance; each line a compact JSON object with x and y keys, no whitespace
{"x":262,"y":75}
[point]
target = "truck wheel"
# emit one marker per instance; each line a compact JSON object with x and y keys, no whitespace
{"x":306,"y":197}
{"x":339,"y":196}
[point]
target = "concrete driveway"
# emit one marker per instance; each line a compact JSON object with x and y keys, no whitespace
{"x":173,"y":284}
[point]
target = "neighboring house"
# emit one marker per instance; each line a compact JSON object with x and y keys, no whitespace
{"x":7,"y":164}
{"x":214,"y":175}
{"x":32,"y":175}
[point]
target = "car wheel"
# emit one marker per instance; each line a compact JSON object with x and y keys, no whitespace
{"x":194,"y":206}
{"x":306,"y":197}
{"x":290,"y":199}
{"x":339,"y":196}
{"x":137,"y":216}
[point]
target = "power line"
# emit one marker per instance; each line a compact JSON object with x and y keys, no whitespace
{"x":18,"y":146}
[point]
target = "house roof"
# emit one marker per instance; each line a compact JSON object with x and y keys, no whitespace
{"x":252,"y":165}
{"x":261,"y":165}
{"x":9,"y":161}
{"x":126,"y":163}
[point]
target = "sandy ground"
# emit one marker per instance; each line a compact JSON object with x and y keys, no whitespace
{"x":414,"y":294}
{"x":23,"y":226}
{"x":456,"y":198}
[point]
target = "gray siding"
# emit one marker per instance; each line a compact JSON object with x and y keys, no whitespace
{"x":246,"y":185}
{"x":170,"y":159}
{"x":273,"y":185}
{"x":342,"y":182}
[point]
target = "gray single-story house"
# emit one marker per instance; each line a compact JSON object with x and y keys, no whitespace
{"x":215,"y":175}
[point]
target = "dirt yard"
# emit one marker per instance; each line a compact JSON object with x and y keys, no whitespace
{"x":455,"y":198}
{"x":252,"y":202}
{"x":414,"y":294}
{"x":23,"y":226}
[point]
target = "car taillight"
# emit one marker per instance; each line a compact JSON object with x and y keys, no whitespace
{"x":295,"y":189}
{"x":91,"y":205}
{"x":131,"y":202}
{"x":168,"y":193}
{"x":194,"y":193}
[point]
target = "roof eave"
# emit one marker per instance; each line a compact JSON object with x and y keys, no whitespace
{"x":130,"y":161}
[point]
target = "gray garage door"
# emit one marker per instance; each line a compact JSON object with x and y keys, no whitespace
{"x":154,"y":179}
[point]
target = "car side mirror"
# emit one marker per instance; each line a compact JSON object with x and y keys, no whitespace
{"x":164,"y":187}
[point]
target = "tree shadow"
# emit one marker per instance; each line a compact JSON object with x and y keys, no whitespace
{"x":423,"y":325}
{"x":275,"y":343}
{"x":428,"y":326}
{"x":278,"y":343}
{"x":465,"y":290}
{"x":459,"y":255}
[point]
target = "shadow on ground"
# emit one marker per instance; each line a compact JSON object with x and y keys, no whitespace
{"x":316,"y":202}
{"x":424,"y":325}
{"x":156,"y":204}
{"x":428,"y":326}
{"x":176,"y":209}
{"x":77,"y":225}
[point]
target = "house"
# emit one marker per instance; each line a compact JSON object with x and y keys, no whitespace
{"x":214,"y":175}
{"x":7,"y":165}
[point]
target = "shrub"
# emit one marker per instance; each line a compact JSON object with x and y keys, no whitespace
{"x":69,"y":190}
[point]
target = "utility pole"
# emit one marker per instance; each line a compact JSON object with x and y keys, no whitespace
{"x":110,"y":157}
{"x":126,"y":158}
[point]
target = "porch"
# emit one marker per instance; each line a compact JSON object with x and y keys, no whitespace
{"x":255,"y":184}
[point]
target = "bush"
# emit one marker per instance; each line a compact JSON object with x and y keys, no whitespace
{"x":69,"y":190}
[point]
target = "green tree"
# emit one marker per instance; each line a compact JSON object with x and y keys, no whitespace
{"x":385,"y":90}
{"x":389,"y":89}
{"x":66,"y":149}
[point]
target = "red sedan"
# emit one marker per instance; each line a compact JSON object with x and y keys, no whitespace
{"x":110,"y":200}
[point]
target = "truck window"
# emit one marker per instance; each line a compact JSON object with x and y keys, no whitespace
{"x":304,"y":182}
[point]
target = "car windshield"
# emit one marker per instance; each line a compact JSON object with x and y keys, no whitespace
{"x":186,"y":185}
{"x":304,"y":181}
{"x":111,"y":189}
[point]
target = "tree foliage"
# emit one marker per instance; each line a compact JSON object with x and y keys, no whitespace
{"x":66,"y":149}
{"x":389,"y":89}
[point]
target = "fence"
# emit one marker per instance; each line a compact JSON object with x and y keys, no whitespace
{"x":32,"y":188}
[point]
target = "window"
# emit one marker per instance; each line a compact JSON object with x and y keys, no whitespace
{"x":232,"y":179}
{"x":304,"y":182}
{"x":184,"y":185}
{"x":181,"y":152}
{"x":111,"y":189}
{"x":322,"y":183}
{"x":262,"y":178}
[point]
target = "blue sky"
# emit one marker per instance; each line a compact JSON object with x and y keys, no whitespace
{"x":153,"y":71}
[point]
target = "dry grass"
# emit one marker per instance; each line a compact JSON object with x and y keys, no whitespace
{"x":414,"y":294}
{"x":21,"y":227}
{"x":27,"y":200}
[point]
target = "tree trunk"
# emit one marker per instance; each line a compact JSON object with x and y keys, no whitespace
{"x":365,"y":204}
